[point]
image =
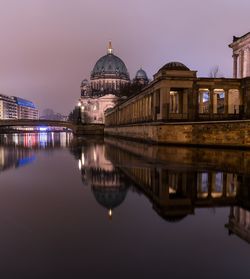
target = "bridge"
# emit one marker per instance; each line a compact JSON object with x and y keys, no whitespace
{"x":77,"y":129}
{"x":35,"y":123}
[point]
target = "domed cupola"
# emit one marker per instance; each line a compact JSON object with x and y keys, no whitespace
{"x":109,"y":73}
{"x":175,"y":69}
{"x":141,"y":77}
{"x":175,"y":66}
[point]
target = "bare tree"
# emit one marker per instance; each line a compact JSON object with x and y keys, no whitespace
{"x":215,"y":72}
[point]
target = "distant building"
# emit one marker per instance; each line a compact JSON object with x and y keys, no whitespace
{"x":241,"y":56}
{"x":8,"y":107}
{"x":108,"y":77}
{"x":49,"y":114}
{"x":17,"y":108}
{"x":141,"y":77}
{"x":26,"y":109}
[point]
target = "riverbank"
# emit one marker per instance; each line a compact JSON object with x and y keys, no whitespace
{"x":230,"y":133}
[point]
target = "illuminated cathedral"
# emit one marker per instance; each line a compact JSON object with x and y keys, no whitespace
{"x":107,"y":79}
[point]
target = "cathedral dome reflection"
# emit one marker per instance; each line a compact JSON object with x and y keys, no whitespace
{"x":108,"y":188}
{"x":106,"y":182}
{"x":109,"y":197}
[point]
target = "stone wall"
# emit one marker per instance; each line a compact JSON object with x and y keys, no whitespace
{"x":219,"y":133}
{"x":88,"y":129}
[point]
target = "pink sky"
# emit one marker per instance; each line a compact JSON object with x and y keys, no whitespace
{"x":48,"y":46}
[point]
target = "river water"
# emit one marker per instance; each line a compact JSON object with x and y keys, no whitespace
{"x":108,"y":208}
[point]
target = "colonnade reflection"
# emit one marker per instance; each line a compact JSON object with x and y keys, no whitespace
{"x":175,"y":190}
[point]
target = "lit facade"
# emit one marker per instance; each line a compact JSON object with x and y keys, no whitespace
{"x":177,"y":94}
{"x":26,"y":109}
{"x":108,"y":77}
{"x":8,"y":107}
{"x":17,"y":108}
{"x":241,"y":56}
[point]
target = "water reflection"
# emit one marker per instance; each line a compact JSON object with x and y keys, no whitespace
{"x":12,"y":157}
{"x":18,"y":150}
{"x":106,"y":181}
{"x":175,"y":189}
{"x":36,"y":140}
{"x":177,"y":181}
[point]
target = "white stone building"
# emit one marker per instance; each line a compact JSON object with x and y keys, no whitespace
{"x":107,"y":79}
{"x":241,"y":56}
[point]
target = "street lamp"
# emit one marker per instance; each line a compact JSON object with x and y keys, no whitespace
{"x":79,"y":118}
{"x":82,"y":114}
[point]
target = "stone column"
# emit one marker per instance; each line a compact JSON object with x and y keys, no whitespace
{"x":214,"y":101}
{"x":211,"y":101}
{"x":248,"y":62}
{"x":164,"y":92}
{"x":174,"y":103}
{"x":245,"y":63}
{"x":235,"y":64}
{"x":154,"y":112}
{"x":200,"y":101}
{"x":185,"y":102}
{"x":226,"y":101}
{"x":241,"y":61}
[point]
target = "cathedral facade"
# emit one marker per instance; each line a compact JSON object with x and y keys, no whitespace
{"x":107,"y":79}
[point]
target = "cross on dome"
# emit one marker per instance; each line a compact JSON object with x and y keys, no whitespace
{"x":110,"y":49}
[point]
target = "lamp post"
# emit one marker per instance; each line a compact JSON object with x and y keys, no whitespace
{"x":82,"y":114}
{"x":79,"y":117}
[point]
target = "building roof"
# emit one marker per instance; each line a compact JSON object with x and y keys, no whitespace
{"x":24,"y":103}
{"x":238,"y":38}
{"x":110,"y":65}
{"x":175,"y":66}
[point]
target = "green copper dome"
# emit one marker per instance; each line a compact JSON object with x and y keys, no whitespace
{"x":110,"y":66}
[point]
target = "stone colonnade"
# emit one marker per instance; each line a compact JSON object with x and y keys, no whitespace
{"x":241,"y":63}
{"x":213,"y":100}
{"x":241,"y":56}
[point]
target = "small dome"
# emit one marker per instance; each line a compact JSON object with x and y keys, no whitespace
{"x":84,"y":82}
{"x":141,"y":74}
{"x":175,"y":66}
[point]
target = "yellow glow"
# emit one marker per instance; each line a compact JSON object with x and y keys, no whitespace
{"x":110,"y":213}
{"x":202,"y":195}
{"x":83,"y":159}
{"x":79,"y":104}
{"x":216,"y":194}
{"x":79,"y":164}
{"x":172,"y":190}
